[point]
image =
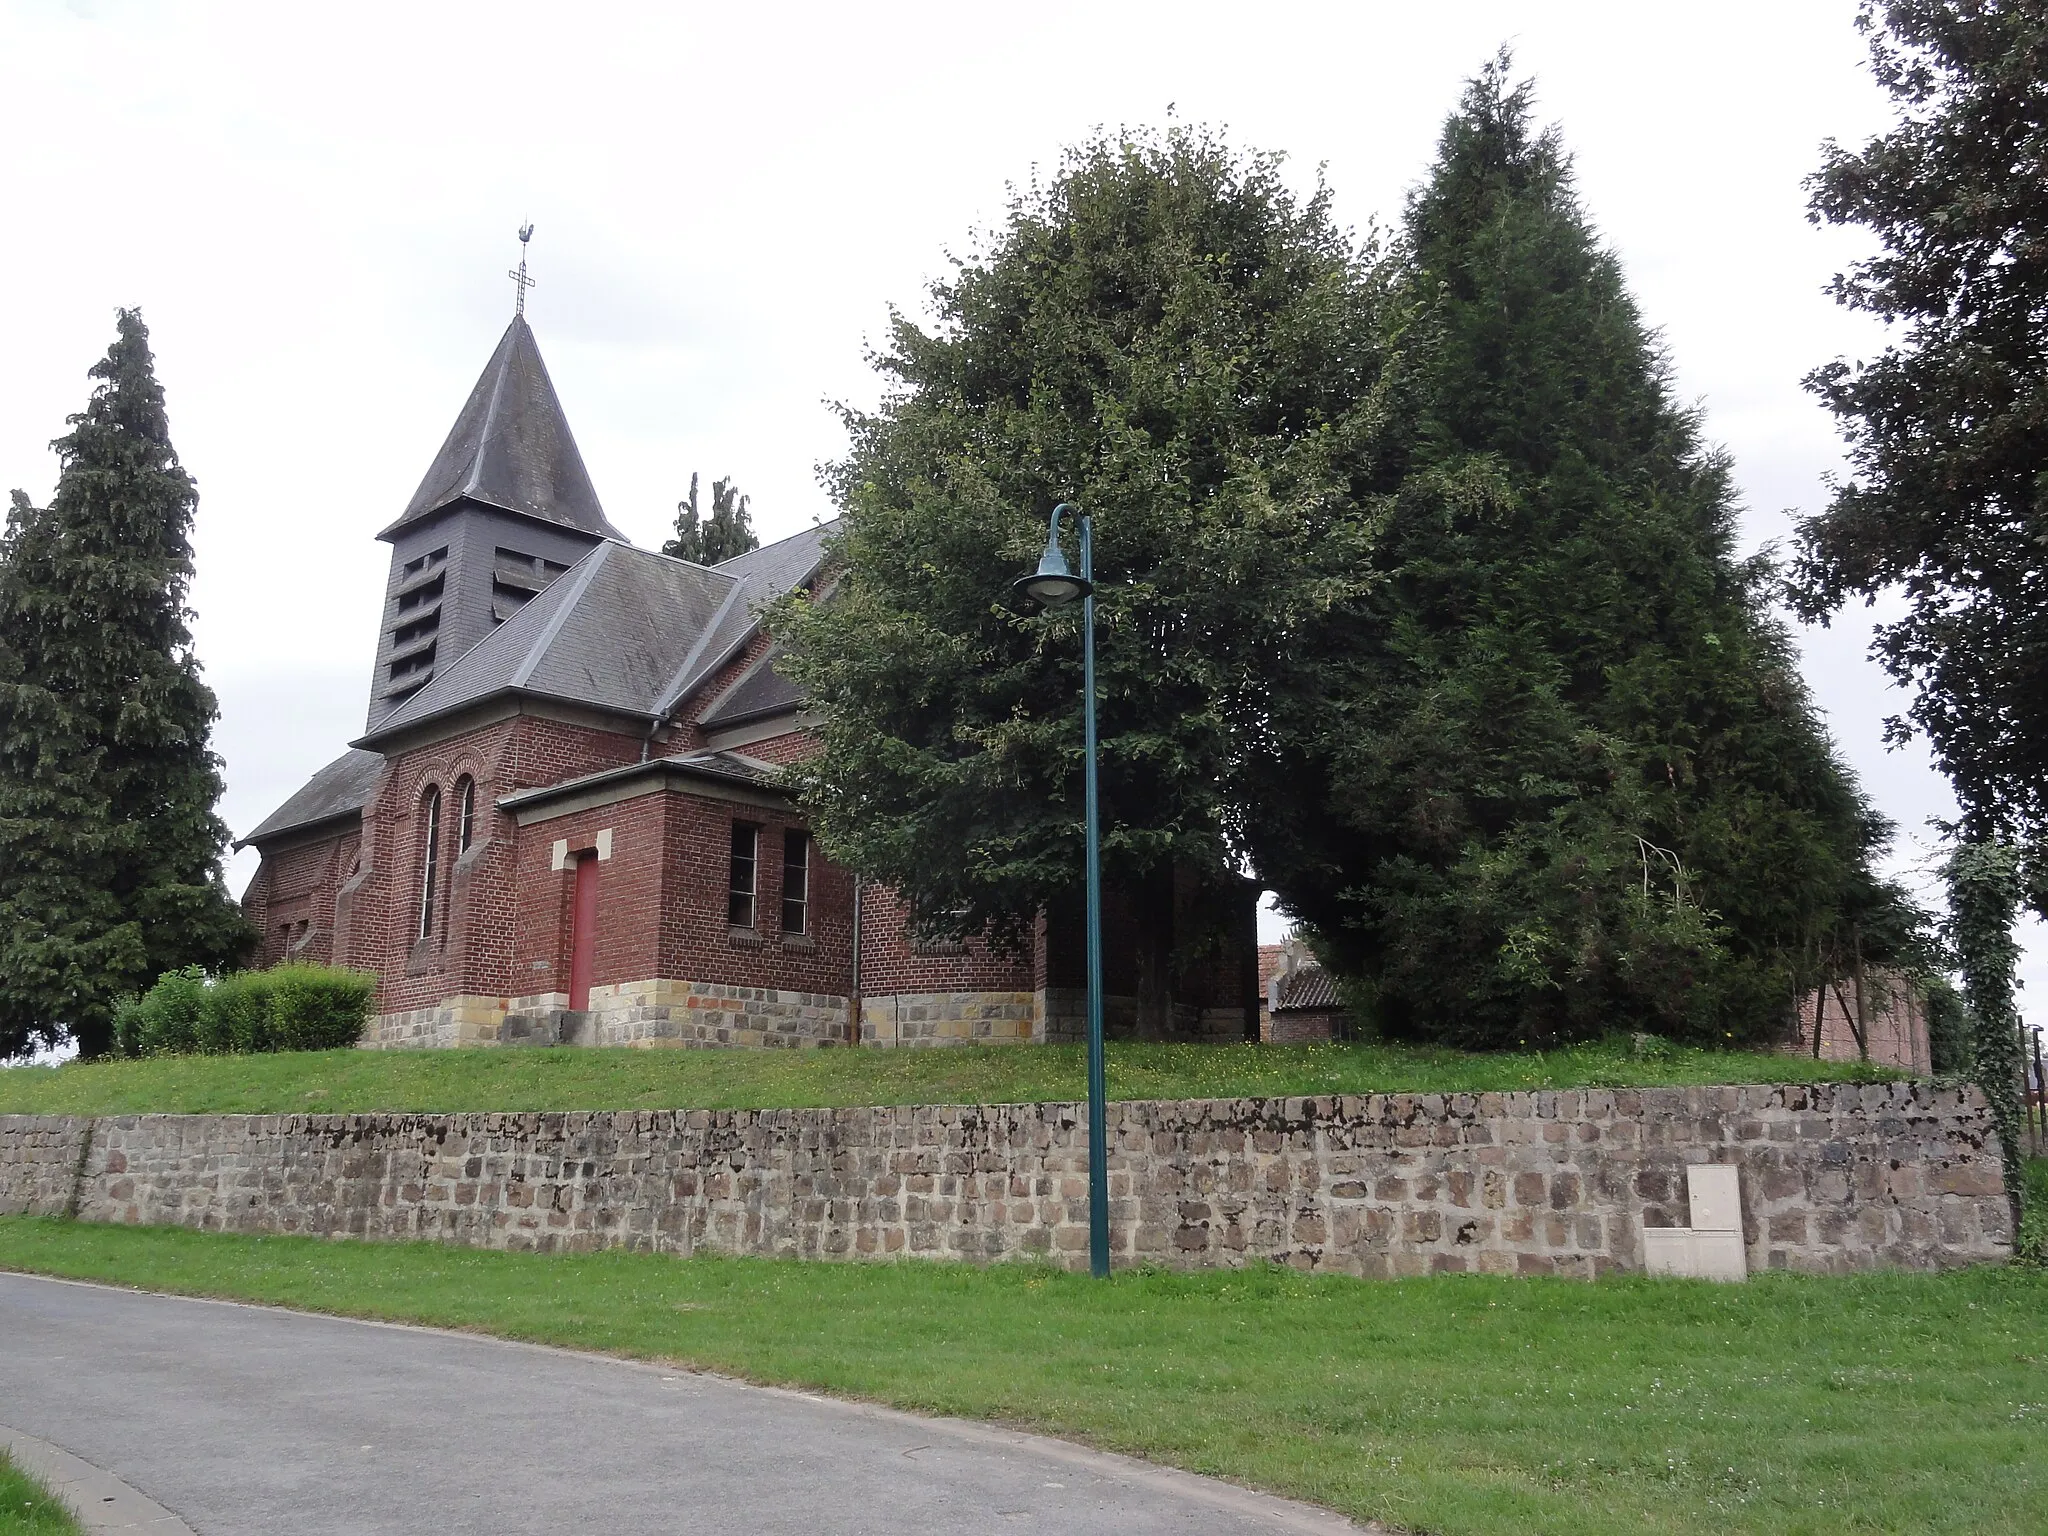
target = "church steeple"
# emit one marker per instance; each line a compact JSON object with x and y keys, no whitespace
{"x":511,"y":447}
{"x":506,"y":507}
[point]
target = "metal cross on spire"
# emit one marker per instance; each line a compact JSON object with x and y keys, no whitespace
{"x":520,"y":277}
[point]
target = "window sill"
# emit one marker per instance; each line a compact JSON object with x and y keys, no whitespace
{"x":745,"y":938}
{"x":800,"y":943}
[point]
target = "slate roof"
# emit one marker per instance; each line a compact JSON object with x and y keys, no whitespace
{"x":1310,"y":988}
{"x":774,"y":568}
{"x":736,"y":767}
{"x":344,"y":786}
{"x":511,"y":447}
{"x":758,"y":691}
{"x":623,"y":629}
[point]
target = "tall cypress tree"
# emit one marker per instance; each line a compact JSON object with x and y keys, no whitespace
{"x":1569,"y":778}
{"x":110,"y":850}
{"x":727,"y":532}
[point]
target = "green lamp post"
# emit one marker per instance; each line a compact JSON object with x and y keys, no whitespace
{"x":1054,"y":585}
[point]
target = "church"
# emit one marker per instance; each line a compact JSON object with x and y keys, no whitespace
{"x":565,"y":822}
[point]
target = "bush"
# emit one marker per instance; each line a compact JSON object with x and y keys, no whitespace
{"x":165,"y":1019}
{"x":236,"y":1014}
{"x":288,"y":1008}
{"x":128,"y":1025}
{"x":317,"y":1007}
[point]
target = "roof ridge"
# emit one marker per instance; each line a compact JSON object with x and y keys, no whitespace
{"x":672,"y":691}
{"x":489,"y":429}
{"x":585,"y":571}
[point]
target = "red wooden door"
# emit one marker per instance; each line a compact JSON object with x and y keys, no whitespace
{"x":583,"y":933}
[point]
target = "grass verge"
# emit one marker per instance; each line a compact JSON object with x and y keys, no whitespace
{"x":457,"y":1081}
{"x":2033,"y":1235}
{"x":27,"y":1506}
{"x":1461,"y":1404}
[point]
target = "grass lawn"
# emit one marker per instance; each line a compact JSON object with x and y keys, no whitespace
{"x":1890,"y":1402}
{"x":27,"y":1506}
{"x":452,"y":1081}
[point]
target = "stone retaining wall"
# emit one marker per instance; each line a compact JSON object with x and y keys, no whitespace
{"x":1834,"y":1178}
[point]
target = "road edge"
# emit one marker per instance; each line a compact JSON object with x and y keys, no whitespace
{"x":100,"y":1500}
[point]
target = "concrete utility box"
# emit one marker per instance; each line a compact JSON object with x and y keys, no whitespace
{"x":1711,"y":1248}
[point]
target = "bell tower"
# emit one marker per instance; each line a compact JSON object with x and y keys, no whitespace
{"x":506,"y":507}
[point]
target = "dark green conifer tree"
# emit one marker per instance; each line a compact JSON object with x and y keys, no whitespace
{"x":728,"y":531}
{"x":110,"y":850}
{"x":1563,"y":777}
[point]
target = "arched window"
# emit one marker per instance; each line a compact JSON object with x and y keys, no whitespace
{"x":430,"y":858}
{"x":465,"y":803}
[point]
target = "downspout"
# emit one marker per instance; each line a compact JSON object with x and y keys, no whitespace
{"x":853,"y":996}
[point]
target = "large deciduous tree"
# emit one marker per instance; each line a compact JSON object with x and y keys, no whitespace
{"x":1947,"y":498}
{"x":110,"y":851}
{"x":1564,"y":776}
{"x":1946,"y":503}
{"x":1166,"y":334}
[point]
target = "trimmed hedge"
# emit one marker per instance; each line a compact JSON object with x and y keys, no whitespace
{"x":286,"y":1008}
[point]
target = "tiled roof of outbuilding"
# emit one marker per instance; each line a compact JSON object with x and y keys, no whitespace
{"x":511,"y":447}
{"x":1310,"y":988}
{"x":343,"y":786}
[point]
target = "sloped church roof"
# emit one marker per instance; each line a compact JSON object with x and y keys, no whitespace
{"x":624,"y":630}
{"x":511,"y":447}
{"x":342,"y":788}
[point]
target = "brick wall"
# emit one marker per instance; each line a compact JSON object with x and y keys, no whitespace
{"x":472,"y":950}
{"x":892,"y":961}
{"x":1834,"y":1178}
{"x":696,"y":940}
{"x":291,"y":899}
{"x":792,"y":747}
{"x":1302,"y":1026}
{"x":1894,"y":1025}
{"x":663,"y":941}
{"x":662,"y":910}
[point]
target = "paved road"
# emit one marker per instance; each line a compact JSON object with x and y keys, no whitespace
{"x":248,"y":1420}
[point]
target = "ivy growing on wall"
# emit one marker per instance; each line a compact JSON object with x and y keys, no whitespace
{"x":1987,"y":881}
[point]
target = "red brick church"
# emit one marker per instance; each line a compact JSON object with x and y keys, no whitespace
{"x":564,"y":821}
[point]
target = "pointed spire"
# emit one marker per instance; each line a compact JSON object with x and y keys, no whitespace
{"x":511,"y":448}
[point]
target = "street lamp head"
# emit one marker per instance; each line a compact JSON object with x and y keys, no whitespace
{"x":1053,"y":584}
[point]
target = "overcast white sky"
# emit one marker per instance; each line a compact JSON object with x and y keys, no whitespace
{"x":315,"y":209}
